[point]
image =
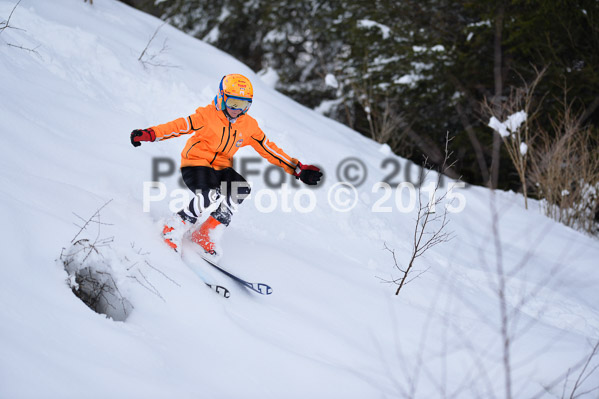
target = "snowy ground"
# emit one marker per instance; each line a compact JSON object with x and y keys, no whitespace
{"x":331,"y":329}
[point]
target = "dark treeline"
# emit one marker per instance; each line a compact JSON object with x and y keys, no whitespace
{"x":406,"y":72}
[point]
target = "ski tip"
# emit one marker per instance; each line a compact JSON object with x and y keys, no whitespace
{"x":219,"y":289}
{"x":264,"y":289}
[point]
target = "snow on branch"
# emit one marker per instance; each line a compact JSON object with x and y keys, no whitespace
{"x":510,"y":126}
{"x":367,"y":24}
{"x":517,"y":112}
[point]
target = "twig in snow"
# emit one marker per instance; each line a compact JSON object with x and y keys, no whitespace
{"x":90,"y":220}
{"x":159,"y":271}
{"x":6,"y":24}
{"x":149,"y":59}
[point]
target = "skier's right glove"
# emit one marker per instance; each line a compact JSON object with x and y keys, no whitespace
{"x":309,"y":174}
{"x":137,"y":136}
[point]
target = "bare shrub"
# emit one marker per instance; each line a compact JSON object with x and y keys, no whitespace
{"x":91,"y":275}
{"x":384,"y":120}
{"x":565,"y":170}
{"x":430,"y":227}
{"x":102,"y":276}
{"x":91,"y":280}
{"x":517,"y":140}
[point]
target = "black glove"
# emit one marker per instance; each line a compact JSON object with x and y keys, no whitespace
{"x":137,"y":136}
{"x":309,"y":174}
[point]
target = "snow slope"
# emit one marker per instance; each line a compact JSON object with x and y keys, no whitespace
{"x":331,"y":329}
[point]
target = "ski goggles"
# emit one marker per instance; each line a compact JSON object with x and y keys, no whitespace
{"x":237,"y":103}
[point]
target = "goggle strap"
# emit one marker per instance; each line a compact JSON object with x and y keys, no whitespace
{"x":238,"y":98}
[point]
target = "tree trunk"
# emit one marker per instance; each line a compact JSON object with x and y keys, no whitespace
{"x":498,"y":78}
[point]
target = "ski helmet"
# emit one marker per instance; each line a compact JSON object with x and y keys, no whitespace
{"x":235,"y":92}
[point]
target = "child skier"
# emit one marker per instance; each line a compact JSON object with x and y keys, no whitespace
{"x":218,"y":130}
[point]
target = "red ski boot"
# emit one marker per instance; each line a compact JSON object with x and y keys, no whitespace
{"x":173,"y":232}
{"x":202,"y":235}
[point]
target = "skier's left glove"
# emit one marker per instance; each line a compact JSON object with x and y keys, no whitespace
{"x":309,"y":174}
{"x":137,"y":136}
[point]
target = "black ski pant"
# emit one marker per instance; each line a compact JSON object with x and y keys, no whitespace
{"x":210,"y":185}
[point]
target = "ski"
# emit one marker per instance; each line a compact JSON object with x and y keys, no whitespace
{"x":219,"y":289}
{"x":260,"y":288}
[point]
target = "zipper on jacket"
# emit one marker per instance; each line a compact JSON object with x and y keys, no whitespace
{"x":224,"y":150}
{"x":187,"y":153}
{"x":233,"y":142}
{"x":221,"y":141}
{"x":228,"y":138}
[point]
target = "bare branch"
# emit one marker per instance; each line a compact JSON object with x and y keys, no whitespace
{"x":148,"y":59}
{"x":92,"y":219}
{"x":424,"y":238}
{"x":520,"y":99}
{"x":582,"y":377}
{"x":6,"y":24}
{"x":564,"y":170}
{"x":173,"y":281}
{"x":31,"y":50}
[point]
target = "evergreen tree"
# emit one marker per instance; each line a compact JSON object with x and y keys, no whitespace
{"x":406,"y":72}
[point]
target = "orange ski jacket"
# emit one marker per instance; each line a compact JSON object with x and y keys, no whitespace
{"x":215,"y":139}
